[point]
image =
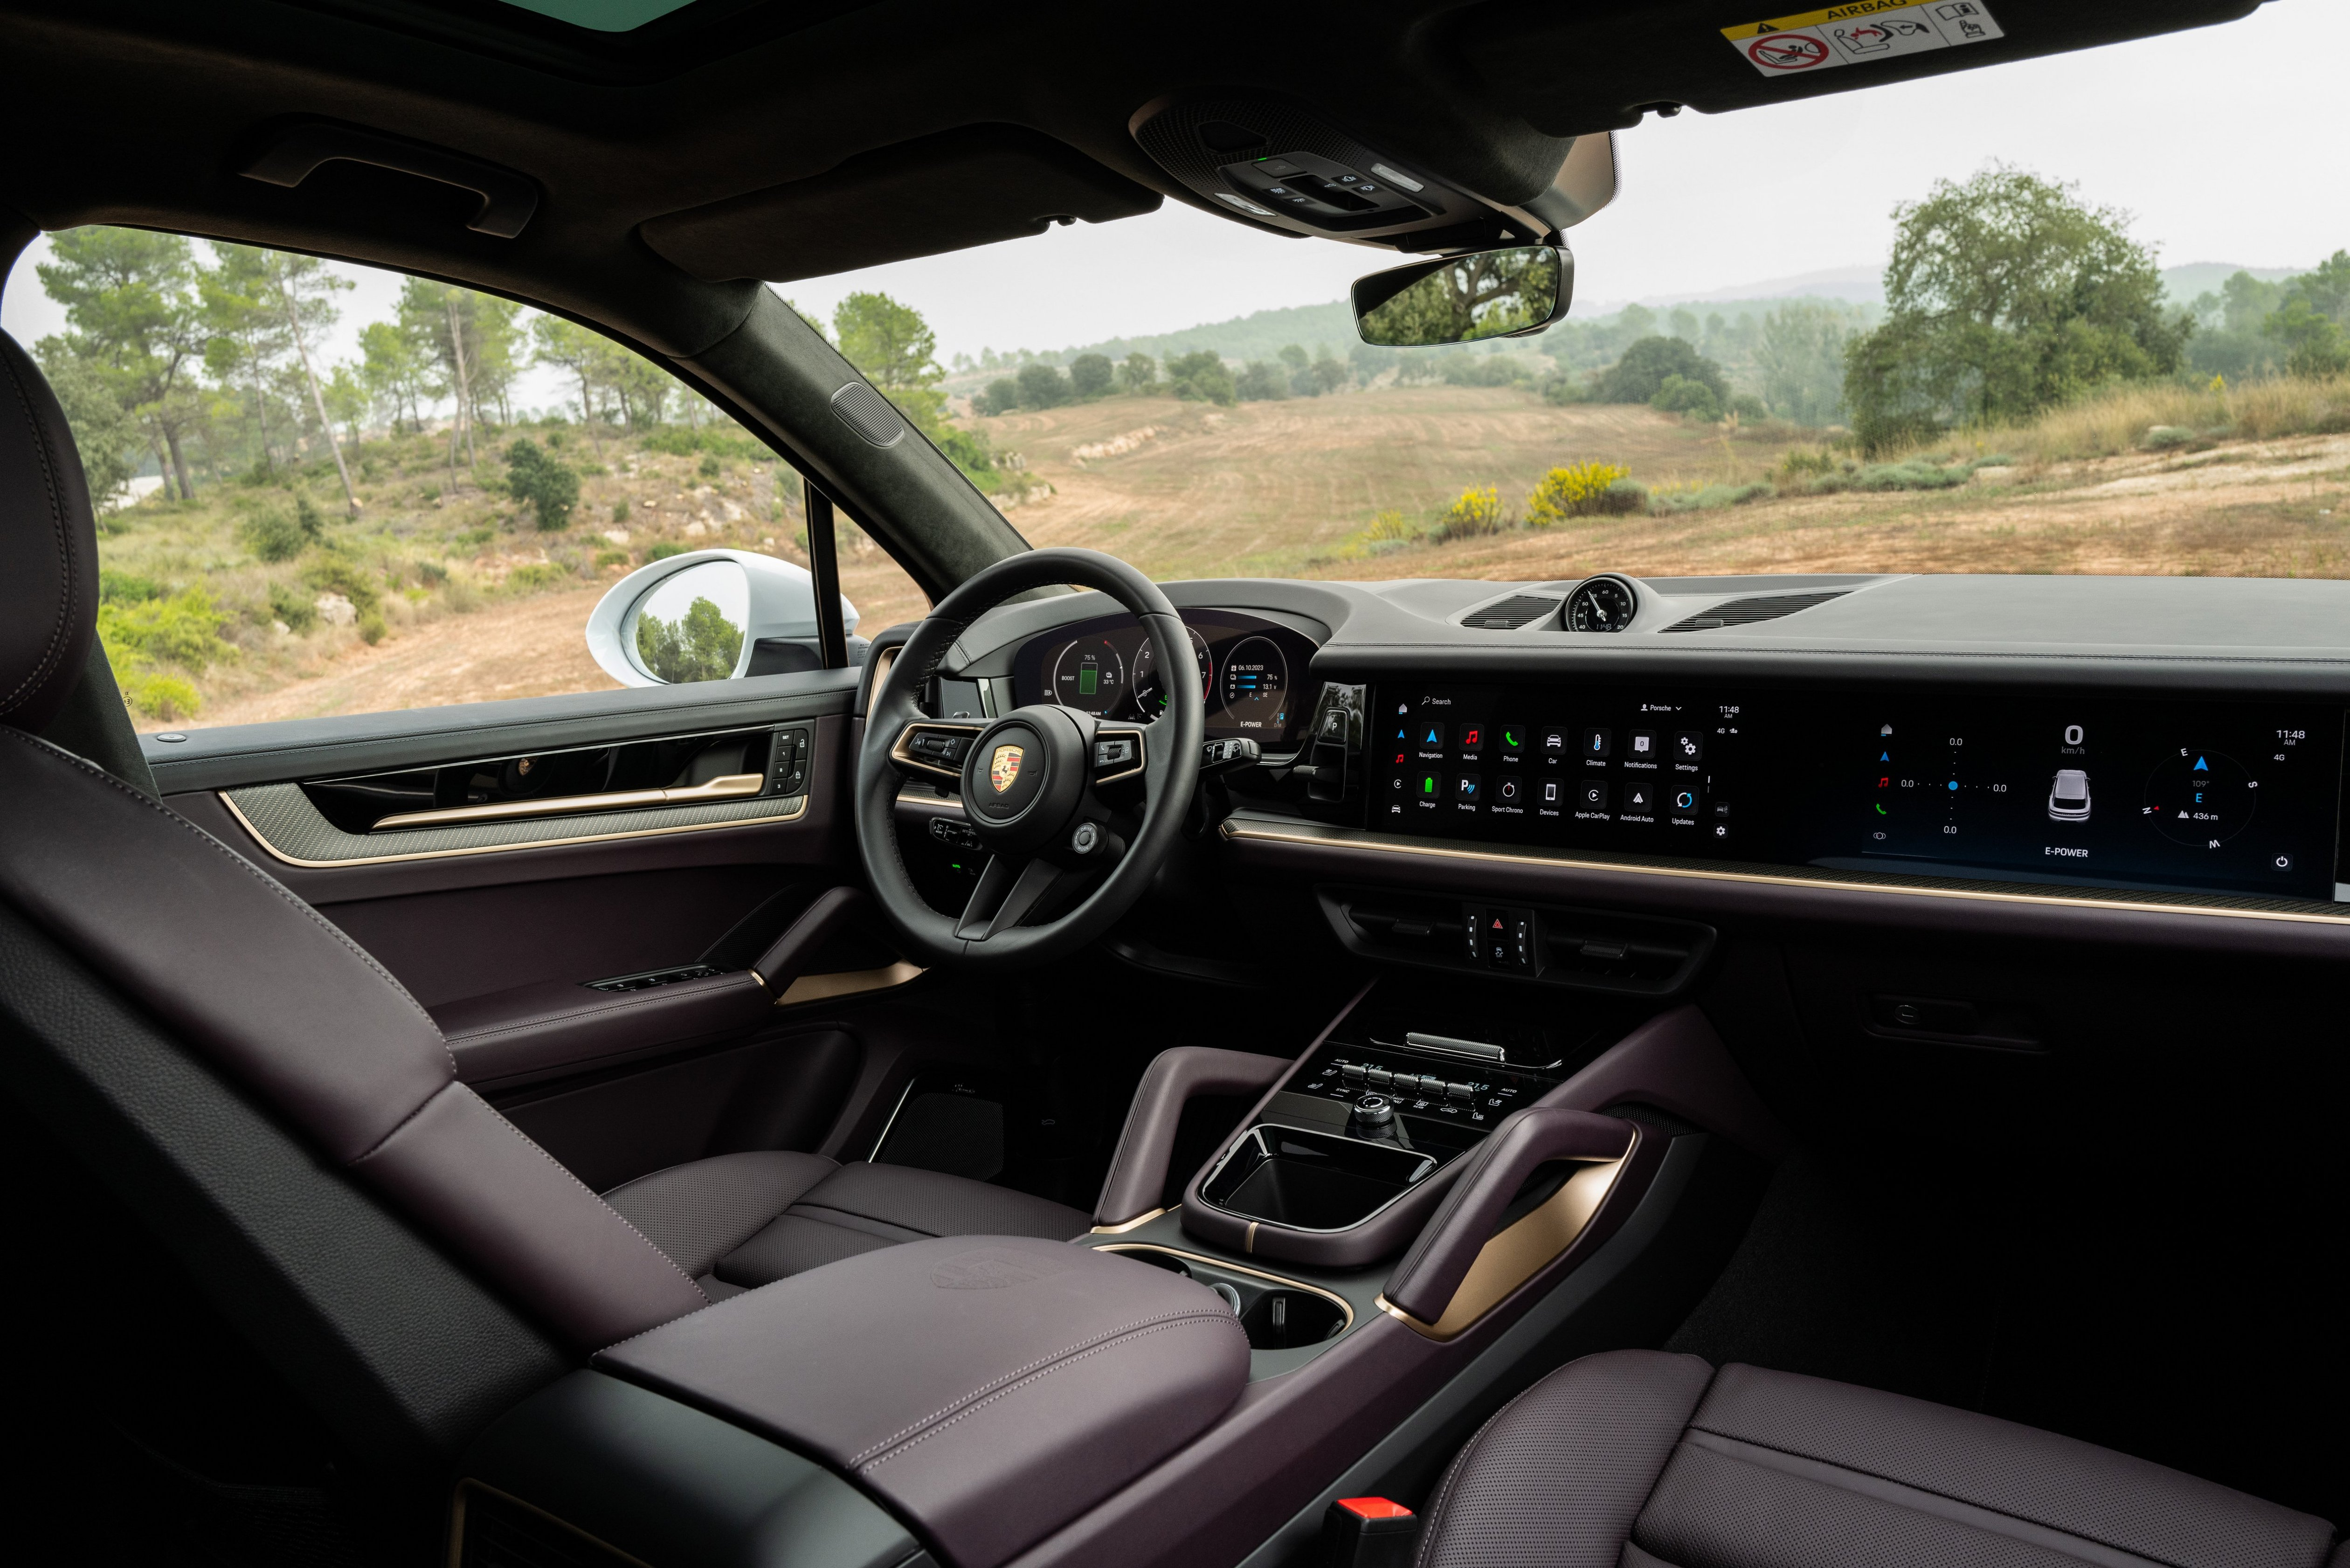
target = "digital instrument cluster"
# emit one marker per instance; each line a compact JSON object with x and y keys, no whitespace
{"x":2243,"y":797}
{"x":1252,"y":673}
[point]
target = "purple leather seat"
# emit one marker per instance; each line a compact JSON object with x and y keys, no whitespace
{"x":1641,"y":1459}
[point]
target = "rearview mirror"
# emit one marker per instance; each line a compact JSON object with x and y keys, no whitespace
{"x":1459,"y":299}
{"x":710,"y":615}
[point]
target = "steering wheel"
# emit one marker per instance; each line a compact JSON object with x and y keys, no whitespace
{"x":1032,"y":781}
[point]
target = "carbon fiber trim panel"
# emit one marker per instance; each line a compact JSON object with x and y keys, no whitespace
{"x":281,"y":817}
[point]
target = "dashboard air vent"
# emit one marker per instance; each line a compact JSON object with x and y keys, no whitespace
{"x":1746,"y":612}
{"x":1518,"y":610}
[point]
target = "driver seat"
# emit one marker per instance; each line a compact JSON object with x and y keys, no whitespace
{"x":113,"y":906}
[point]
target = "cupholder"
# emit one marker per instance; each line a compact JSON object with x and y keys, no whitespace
{"x":1276,"y":1314}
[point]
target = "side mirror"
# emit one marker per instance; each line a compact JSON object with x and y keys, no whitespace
{"x":1459,"y":299}
{"x":708,"y":615}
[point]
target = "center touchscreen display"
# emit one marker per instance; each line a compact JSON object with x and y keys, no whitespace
{"x":2191,"y":795}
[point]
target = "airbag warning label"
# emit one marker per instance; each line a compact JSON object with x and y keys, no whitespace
{"x":1854,"y":34}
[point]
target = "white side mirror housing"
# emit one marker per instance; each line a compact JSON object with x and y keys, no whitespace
{"x":757,"y":598}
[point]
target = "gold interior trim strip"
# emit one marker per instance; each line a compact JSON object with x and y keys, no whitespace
{"x":1281,"y":1280}
{"x":278,"y":854}
{"x":848,"y":983}
{"x":1349,"y":838}
{"x":1138,"y":1221}
{"x":730,"y":786}
{"x":1511,"y":1257}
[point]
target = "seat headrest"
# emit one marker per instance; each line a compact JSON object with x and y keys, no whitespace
{"x":48,"y":548}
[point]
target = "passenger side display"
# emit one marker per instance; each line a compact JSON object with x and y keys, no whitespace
{"x":2188,"y":795}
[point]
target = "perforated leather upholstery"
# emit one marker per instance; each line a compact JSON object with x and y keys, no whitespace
{"x":1648,"y":1460}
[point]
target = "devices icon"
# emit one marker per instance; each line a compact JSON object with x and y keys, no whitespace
{"x":2068,"y":798}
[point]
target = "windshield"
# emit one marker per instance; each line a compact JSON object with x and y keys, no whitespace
{"x":2042,"y":317}
{"x":2050,"y":317}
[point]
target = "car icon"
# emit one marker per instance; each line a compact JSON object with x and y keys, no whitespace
{"x":2068,"y":799}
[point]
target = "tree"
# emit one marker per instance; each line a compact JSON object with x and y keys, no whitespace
{"x":1329,"y":375}
{"x":893,"y":348}
{"x":2308,"y":322}
{"x":1090,"y":377}
{"x":1001,"y":397}
{"x":1800,"y":356}
{"x":571,"y":347}
{"x":246,"y":346}
{"x":700,"y":645}
{"x":1260,"y":383}
{"x":1685,"y":395}
{"x":394,"y":373}
{"x":2005,"y":295}
{"x":347,"y":399}
{"x":1639,"y":373}
{"x":130,"y":300}
{"x":551,"y":487}
{"x":1138,"y":373}
{"x":103,"y":431}
{"x":1041,"y":385}
{"x":305,"y":291}
{"x":1202,"y":376}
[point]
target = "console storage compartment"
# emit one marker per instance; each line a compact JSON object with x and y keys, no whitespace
{"x":1311,"y":1181}
{"x":988,"y":1388}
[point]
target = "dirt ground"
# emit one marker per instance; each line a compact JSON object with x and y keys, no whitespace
{"x":1184,"y":490}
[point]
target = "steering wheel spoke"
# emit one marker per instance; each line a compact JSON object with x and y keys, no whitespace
{"x":934,"y":746}
{"x":1008,"y":891}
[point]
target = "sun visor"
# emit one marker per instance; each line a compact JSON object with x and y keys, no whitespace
{"x":1574,"y":70}
{"x":961,"y":188}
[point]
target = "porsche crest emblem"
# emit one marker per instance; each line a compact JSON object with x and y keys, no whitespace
{"x":1004,"y":766}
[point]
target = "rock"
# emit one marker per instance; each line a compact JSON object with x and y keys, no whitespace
{"x":281,"y":629}
{"x":695,"y":530}
{"x":337,"y":610}
{"x":1998,"y":473}
{"x":616,"y":536}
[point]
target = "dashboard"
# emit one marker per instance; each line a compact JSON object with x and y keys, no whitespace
{"x":2233,"y":797}
{"x":1254,"y":673}
{"x":2132,"y":743}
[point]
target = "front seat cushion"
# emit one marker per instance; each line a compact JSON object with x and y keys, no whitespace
{"x":737,"y":1221}
{"x":1642,"y":1460}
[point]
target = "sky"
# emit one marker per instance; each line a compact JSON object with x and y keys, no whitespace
{"x":2225,"y":144}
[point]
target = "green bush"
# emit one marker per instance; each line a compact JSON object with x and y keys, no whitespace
{"x":1689,"y":397}
{"x":1201,"y":378}
{"x":272,"y":535}
{"x":1572,"y":492}
{"x":338,"y":573}
{"x":675,"y":439}
{"x":1261,"y":383}
{"x":710,"y":468}
{"x":1709,"y":498}
{"x":620,"y":510}
{"x":122,"y":588}
{"x":1043,"y":386}
{"x":372,"y":627}
{"x":1625,"y":495}
{"x":551,"y":489}
{"x":298,"y":613}
{"x":1639,"y":375}
{"x":2163,"y":438}
{"x":610,"y":558}
{"x":165,"y":697}
{"x":537,"y":574}
{"x":183,"y":630}
{"x":664,"y":550}
{"x":1473,"y":514}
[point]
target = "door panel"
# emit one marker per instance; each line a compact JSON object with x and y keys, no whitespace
{"x":498,"y":922}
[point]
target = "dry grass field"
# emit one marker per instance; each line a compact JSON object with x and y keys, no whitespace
{"x":1186,"y":489}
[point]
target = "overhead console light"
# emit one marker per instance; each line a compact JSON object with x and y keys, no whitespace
{"x":1285,"y":170}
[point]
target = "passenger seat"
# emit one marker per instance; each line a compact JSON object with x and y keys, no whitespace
{"x":1641,"y":1459}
